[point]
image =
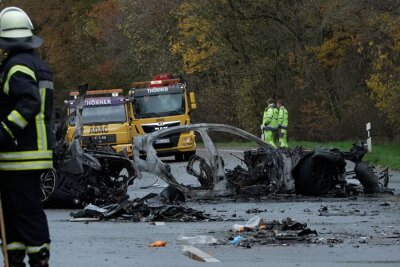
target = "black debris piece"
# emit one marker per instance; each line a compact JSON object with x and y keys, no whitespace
{"x":324,"y":211}
{"x":255,"y":210}
{"x":273,"y":233}
{"x":169,"y":205}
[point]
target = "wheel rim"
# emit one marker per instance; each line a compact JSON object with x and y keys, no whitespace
{"x":48,"y":184}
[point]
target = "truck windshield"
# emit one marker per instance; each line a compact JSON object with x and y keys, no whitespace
{"x":102,"y":114}
{"x":150,"y":106}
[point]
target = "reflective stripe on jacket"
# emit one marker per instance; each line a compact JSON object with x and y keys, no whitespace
{"x":26,"y":104}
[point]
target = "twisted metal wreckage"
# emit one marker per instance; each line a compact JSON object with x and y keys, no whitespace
{"x":80,"y":176}
{"x":98,"y":175}
{"x":268,"y":170}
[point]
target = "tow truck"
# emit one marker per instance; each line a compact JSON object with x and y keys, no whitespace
{"x":106,"y":120}
{"x":162,"y":103}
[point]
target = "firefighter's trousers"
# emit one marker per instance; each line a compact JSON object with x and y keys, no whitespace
{"x":25,"y":221}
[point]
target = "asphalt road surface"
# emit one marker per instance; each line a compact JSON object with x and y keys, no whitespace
{"x":366,"y":233}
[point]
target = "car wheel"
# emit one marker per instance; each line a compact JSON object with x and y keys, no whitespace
{"x":313,"y":177}
{"x":48,"y":182}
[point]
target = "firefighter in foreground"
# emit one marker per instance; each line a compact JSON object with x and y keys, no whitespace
{"x":283,"y":120}
{"x":25,"y":139}
{"x":270,"y":122}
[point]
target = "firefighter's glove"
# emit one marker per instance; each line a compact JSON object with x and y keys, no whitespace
{"x":6,"y":140}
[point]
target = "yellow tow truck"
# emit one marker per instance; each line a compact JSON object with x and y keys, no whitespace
{"x":106,"y":119}
{"x":162,"y":103}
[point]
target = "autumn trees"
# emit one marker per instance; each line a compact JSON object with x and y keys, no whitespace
{"x":320,"y":56}
{"x":336,"y":62}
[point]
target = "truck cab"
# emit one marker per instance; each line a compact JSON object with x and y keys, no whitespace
{"x":106,"y":120}
{"x":162,"y":103}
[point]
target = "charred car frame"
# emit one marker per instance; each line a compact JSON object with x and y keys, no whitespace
{"x":270,"y":170}
{"x":81,"y":176}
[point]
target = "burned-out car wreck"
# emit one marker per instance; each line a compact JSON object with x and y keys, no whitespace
{"x":98,"y":175}
{"x":93,"y":174}
{"x":264,"y":170}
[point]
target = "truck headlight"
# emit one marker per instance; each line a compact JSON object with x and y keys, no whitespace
{"x":187,"y":141}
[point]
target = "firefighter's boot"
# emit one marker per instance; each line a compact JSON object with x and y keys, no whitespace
{"x":16,"y":258}
{"x":39,"y":258}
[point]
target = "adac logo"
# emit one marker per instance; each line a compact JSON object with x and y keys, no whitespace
{"x":97,"y":130}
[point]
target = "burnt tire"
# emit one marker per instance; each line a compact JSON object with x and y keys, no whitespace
{"x":310,"y":181}
{"x":365,"y":174}
{"x":48,"y":184}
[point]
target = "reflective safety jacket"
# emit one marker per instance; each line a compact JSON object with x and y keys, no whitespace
{"x":26,"y":105}
{"x":270,"y":118}
{"x":283,"y":118}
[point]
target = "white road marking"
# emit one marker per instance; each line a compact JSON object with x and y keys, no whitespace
{"x":198,"y":254}
{"x":159,"y":223}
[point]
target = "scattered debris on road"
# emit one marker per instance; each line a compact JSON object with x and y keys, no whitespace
{"x":158,"y":243}
{"x":261,"y":232}
{"x":324,"y":211}
{"x":198,"y":239}
{"x":169,"y":205}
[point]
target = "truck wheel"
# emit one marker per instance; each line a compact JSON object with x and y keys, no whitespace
{"x":48,"y":183}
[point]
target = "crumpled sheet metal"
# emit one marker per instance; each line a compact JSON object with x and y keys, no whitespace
{"x":268,"y":170}
{"x":154,"y":165}
{"x":279,"y":165}
{"x":290,"y":159}
{"x":94,"y":174}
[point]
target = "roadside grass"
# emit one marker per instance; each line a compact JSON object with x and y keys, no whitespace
{"x":387,"y":155}
{"x":384,"y":155}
